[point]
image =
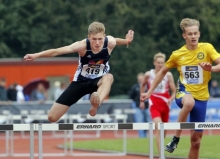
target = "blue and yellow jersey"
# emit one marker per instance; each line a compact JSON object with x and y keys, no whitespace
{"x":193,"y":78}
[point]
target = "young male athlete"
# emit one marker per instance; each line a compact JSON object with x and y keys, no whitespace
{"x":193,"y":85}
{"x":92,"y":76}
{"x":160,"y":100}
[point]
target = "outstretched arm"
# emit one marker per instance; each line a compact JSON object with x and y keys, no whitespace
{"x":144,"y":83}
{"x":216,"y":68}
{"x":143,"y":88}
{"x":75,"y":47}
{"x":128,"y":39}
{"x":172,"y":86}
{"x":158,"y":78}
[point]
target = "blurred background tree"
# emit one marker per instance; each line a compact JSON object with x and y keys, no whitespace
{"x":32,"y":26}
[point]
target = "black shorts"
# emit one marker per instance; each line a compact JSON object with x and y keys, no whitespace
{"x":77,"y":90}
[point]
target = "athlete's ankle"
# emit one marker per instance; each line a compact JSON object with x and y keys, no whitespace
{"x":177,"y":139}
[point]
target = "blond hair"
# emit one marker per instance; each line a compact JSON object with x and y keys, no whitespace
{"x":140,"y":74}
{"x":96,"y":27}
{"x":187,"y":22}
{"x":159,"y":55}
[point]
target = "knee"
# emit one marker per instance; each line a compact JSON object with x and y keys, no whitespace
{"x":189,"y":104}
{"x":195,"y":142}
{"x":52,"y":118}
{"x":109,"y":77}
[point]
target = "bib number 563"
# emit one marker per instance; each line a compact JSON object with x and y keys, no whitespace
{"x":191,"y":74}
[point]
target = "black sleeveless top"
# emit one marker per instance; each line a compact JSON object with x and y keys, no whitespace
{"x":92,"y":65}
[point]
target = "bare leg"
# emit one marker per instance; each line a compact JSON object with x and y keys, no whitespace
{"x":195,"y":144}
{"x":188,"y":104}
{"x":104,"y":87}
{"x":57,"y":111}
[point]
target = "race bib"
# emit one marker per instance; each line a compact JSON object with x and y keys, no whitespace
{"x":160,"y":88}
{"x":93,"y":70}
{"x":192,"y":74}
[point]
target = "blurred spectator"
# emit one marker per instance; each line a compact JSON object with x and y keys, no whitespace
{"x":12,"y":92}
{"x":214,"y":89}
{"x":3,"y":90}
{"x":141,"y":115}
{"x":39,"y":94}
{"x":20,"y":94}
{"x":59,"y":88}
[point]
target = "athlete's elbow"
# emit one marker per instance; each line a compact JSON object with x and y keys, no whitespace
{"x":49,"y":53}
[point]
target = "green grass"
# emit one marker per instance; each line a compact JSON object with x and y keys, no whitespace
{"x":210,"y":148}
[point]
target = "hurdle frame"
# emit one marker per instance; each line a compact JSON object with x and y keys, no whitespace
{"x":183,"y":126}
{"x":72,"y":117}
{"x":117,"y":126}
{"x":20,"y":127}
{"x":76,"y":127}
{"x":42,"y":117}
{"x":10,"y":134}
{"x":120,"y":112}
{"x":7,"y":137}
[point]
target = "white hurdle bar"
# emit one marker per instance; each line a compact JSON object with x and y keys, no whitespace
{"x":10,"y":137}
{"x":184,"y":126}
{"x":119,"y":113}
{"x":76,"y":127}
{"x":85,"y":117}
{"x":22,"y":127}
{"x":98,"y":119}
{"x":96,"y":126}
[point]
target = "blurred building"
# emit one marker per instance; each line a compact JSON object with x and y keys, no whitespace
{"x":52,"y":69}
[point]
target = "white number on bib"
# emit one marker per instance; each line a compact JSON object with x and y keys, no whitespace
{"x":92,"y":71}
{"x":192,"y":74}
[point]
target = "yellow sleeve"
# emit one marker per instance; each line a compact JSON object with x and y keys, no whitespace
{"x":171,"y":62}
{"x":213,"y":53}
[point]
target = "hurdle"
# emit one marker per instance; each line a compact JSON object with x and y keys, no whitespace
{"x":4,"y":118}
{"x":76,"y":127}
{"x":35,"y":117}
{"x":21,"y":127}
{"x":183,"y":126}
{"x":119,"y":113}
{"x":40,"y":115}
{"x":96,"y":126}
{"x":32,"y":128}
{"x":84,"y":117}
{"x":98,"y":118}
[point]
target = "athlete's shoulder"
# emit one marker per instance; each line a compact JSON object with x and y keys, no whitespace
{"x":180,"y":50}
{"x":205,"y":44}
{"x":147,"y":73}
{"x":82,"y":42}
{"x":111,"y":41}
{"x":176,"y":53}
{"x":201,"y":44}
{"x":78,"y":46}
{"x":169,"y":74}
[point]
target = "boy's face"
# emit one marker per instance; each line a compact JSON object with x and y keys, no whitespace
{"x":159,"y":63}
{"x":96,"y":41}
{"x":191,"y":35}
